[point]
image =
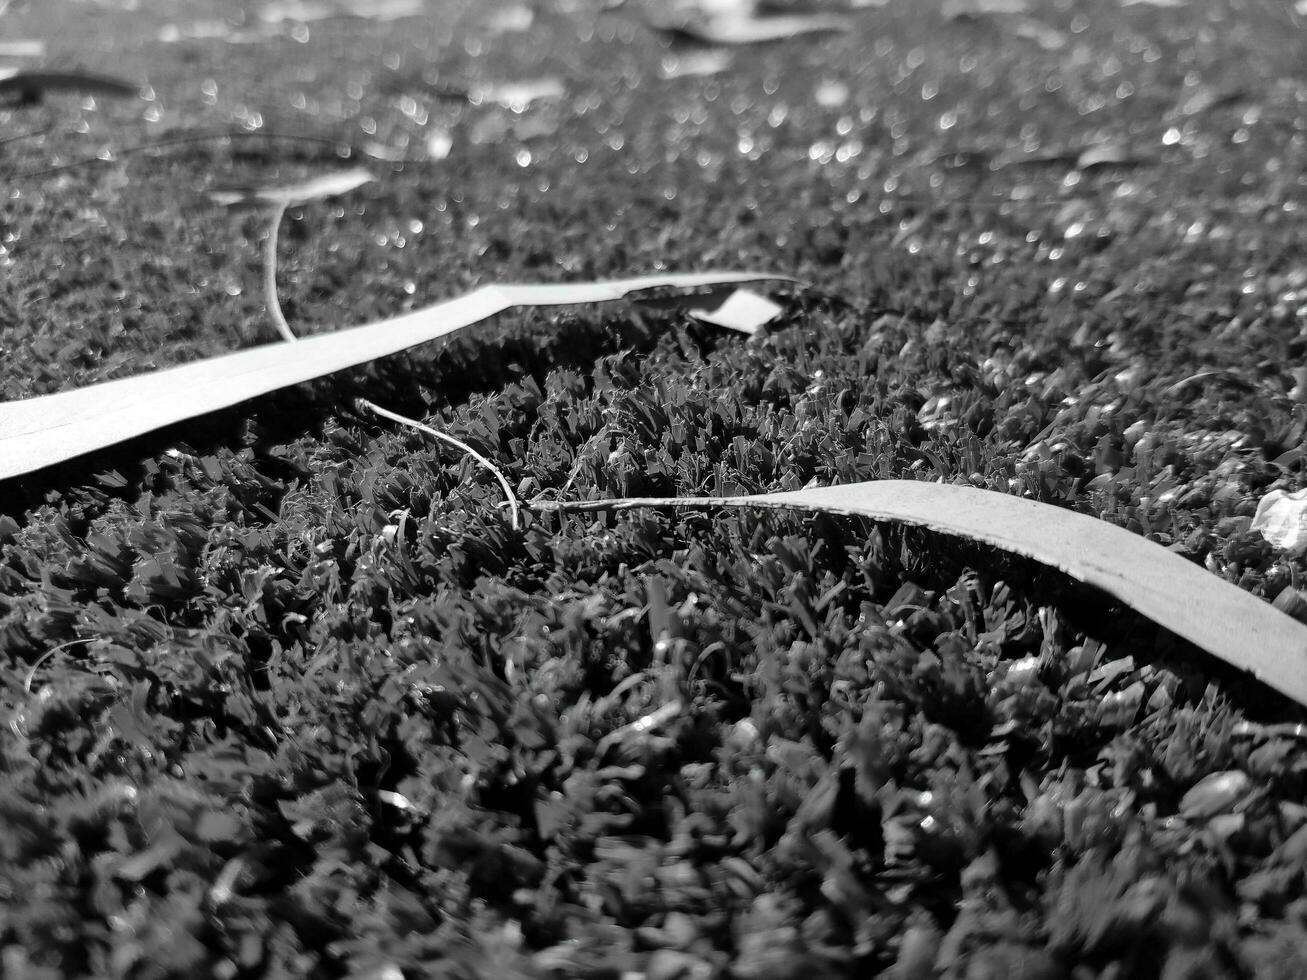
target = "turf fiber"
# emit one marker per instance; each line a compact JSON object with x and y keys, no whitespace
{"x":284,"y":695}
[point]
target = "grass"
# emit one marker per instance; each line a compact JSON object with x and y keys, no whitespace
{"x":285,"y":694}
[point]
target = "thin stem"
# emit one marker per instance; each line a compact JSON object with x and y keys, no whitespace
{"x":274,"y":309}
{"x":31,"y":674}
{"x":270,"y":275}
{"x":513,"y":507}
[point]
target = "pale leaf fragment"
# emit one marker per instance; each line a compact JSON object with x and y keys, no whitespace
{"x":743,"y":310}
{"x":695,"y":64}
{"x":1211,"y":613}
{"x":1282,"y":519}
{"x":341,"y":182}
{"x":518,"y":96}
{"x":399,"y":801}
{"x":1107,"y":154}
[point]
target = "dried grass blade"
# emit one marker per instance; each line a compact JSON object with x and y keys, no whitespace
{"x":1221,"y":618}
{"x":50,"y":429}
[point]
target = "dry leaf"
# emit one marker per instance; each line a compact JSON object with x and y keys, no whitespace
{"x":292,"y":194}
{"x":743,"y":310}
{"x":696,"y":64}
{"x":1221,"y":618}
{"x":1108,"y":154}
{"x":517,"y":96}
{"x":29,"y":86}
{"x":1282,"y":519}
{"x":739,"y":29}
{"x":42,"y":431}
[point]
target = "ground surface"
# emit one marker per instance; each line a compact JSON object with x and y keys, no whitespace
{"x":284,"y":694}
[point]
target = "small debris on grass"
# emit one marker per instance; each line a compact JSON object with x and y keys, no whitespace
{"x":518,"y":96}
{"x":247,"y":195}
{"x":743,"y":310}
{"x":1108,"y":154}
{"x":1281,"y":519}
{"x":694,"y":64}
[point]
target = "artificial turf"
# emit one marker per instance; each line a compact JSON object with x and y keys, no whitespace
{"x":285,"y":695}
